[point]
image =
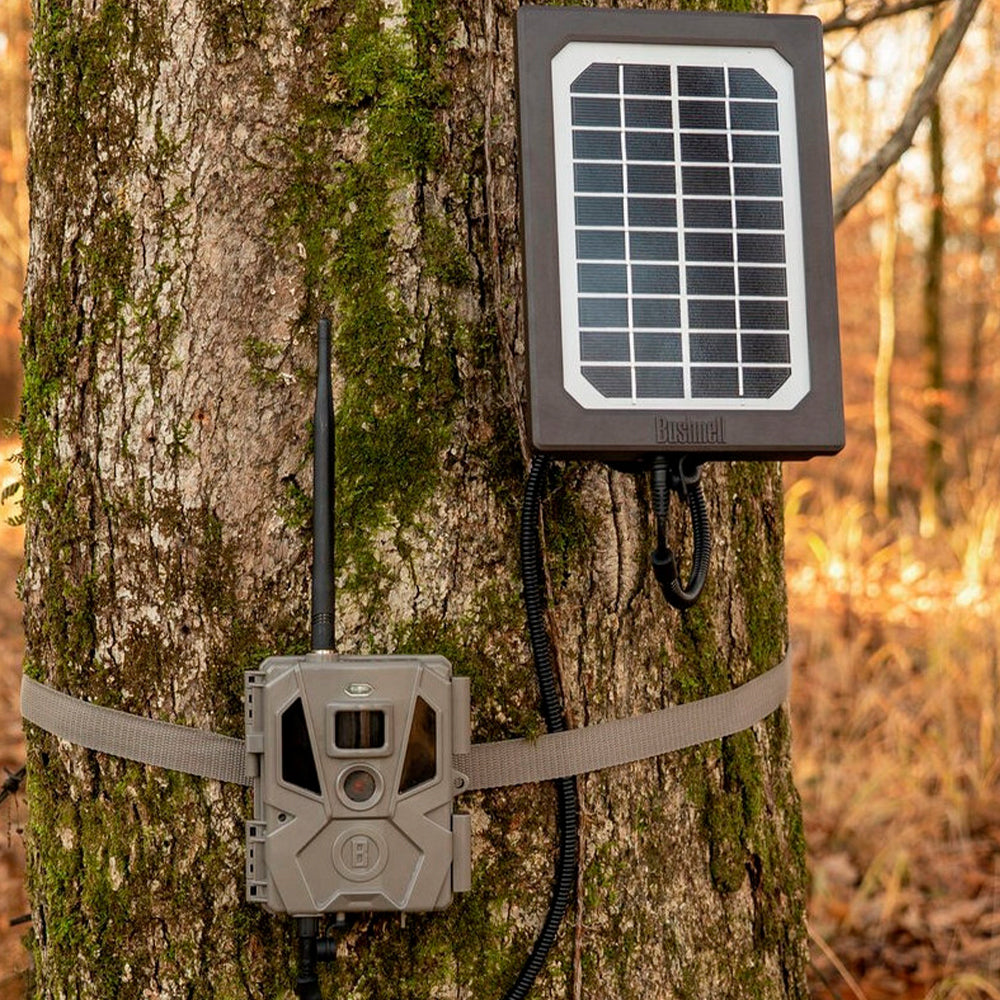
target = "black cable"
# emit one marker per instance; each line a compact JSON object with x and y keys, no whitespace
{"x":307,"y":982}
{"x":567,"y":803}
{"x":667,"y":477}
{"x":314,"y":949}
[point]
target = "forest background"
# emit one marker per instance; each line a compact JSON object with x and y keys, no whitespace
{"x":893,"y":585}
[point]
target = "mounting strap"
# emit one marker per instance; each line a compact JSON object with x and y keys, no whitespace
{"x":148,"y":741}
{"x":487,"y":765}
{"x":623,"y":741}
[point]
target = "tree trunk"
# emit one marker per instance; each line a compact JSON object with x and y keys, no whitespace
{"x":932,"y":488}
{"x":882,"y":387}
{"x":207,"y":180}
{"x":984,"y":313}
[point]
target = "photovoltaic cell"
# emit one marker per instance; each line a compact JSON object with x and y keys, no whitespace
{"x":753,"y":116}
{"x":600,"y":345}
{"x":764,"y":281}
{"x":598,"y":78}
{"x":707,"y":180}
{"x":658,"y":347}
{"x":713,"y":347}
{"x":647,"y":146}
{"x":711,"y":280}
{"x":749,"y":83}
{"x":655,"y":212}
{"x":659,"y":382}
{"x":643,"y":179}
{"x":701,"y":214}
{"x":759,"y":215}
{"x":679,"y":232}
{"x":599,"y":212}
{"x":701,"y":81}
{"x":714,"y":247}
{"x":597,"y":145}
{"x":647,"y":114}
{"x":602,"y":277}
{"x":654,"y":279}
{"x":647,"y":80}
{"x":703,"y":114}
{"x":764,"y":183}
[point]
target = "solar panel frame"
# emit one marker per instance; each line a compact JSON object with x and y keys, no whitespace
{"x":573,"y":373}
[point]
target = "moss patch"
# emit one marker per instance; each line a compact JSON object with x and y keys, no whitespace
{"x":234,"y":24}
{"x":386,"y":84}
{"x":757,"y":521}
{"x":94,"y":861}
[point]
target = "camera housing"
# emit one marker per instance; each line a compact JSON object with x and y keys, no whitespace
{"x":351,"y":763}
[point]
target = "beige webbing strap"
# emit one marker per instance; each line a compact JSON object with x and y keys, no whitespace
{"x":607,"y":744}
{"x":487,"y":765}
{"x":149,"y":741}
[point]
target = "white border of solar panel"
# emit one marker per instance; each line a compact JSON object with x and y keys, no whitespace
{"x":675,"y":356}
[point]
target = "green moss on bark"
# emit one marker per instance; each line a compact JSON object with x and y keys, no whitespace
{"x":92,"y":73}
{"x":758,"y":545}
{"x":95,"y":865}
{"x":385,"y":82}
{"x":234,"y":24}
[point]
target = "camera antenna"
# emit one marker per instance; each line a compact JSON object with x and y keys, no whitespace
{"x":310,"y":949}
{"x":323,"y":498}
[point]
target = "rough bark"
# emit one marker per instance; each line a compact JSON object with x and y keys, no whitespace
{"x":207,"y":179}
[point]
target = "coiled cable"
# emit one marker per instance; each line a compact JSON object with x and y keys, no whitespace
{"x":567,"y":802}
{"x":672,"y":476}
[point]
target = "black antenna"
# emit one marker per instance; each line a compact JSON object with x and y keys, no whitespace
{"x":310,"y":949}
{"x":323,"y":497}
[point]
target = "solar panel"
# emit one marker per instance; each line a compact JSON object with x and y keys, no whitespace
{"x":666,"y":161}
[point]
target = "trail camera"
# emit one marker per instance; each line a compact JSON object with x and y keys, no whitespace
{"x":351,"y":756}
{"x":354,"y":787}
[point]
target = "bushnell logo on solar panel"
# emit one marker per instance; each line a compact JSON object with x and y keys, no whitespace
{"x":679,"y":265}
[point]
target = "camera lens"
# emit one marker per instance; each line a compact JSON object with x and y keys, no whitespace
{"x":359,"y":785}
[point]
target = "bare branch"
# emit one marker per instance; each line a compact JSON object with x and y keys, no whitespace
{"x":844,"y":20}
{"x":920,"y":104}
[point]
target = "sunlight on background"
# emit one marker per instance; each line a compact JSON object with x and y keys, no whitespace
{"x":897,"y":617}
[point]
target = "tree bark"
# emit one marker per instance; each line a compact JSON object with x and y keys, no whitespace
{"x":207,"y":180}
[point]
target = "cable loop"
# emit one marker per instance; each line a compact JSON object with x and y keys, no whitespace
{"x":682,"y":476}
